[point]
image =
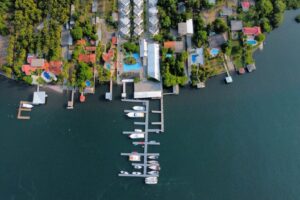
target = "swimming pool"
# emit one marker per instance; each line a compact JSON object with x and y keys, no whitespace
{"x":88,"y":83}
{"x":107,"y":66}
{"x":168,"y":55}
{"x":194,"y":58}
{"x":134,"y":67}
{"x":214,"y":52}
{"x":251,"y":42}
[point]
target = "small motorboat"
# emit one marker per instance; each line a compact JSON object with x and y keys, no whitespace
{"x":138,"y":130}
{"x":154,"y":167}
{"x":151,"y":180}
{"x":123,"y":172}
{"x":153,"y":162}
{"x":136,"y":135}
{"x":153,"y":172}
{"x":134,"y":157}
{"x":137,"y":173}
{"x":27,"y":105}
{"x":135,"y":114}
{"x":139,"y":108}
{"x":152,"y":157}
{"x":138,"y":166}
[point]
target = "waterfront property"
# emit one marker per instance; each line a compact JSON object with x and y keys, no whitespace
{"x":147,"y":89}
{"x":153,"y":61}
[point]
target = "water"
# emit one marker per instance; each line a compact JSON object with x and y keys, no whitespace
{"x":238,"y":141}
{"x":133,"y":67}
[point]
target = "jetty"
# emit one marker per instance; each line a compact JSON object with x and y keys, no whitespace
{"x":71,"y":102}
{"x":21,"y":109}
{"x":145,"y":143}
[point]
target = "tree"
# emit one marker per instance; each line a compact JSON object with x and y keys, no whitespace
{"x":220,"y":26}
{"x":265,"y":24}
{"x":260,"y":37}
{"x":264,"y":7}
{"x":77,"y":33}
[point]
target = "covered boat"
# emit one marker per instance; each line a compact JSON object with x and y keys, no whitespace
{"x":135,"y":114}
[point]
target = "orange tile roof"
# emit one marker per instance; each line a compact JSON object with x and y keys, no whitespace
{"x":90,"y":48}
{"x":81,"y":42}
{"x":170,"y":44}
{"x":252,"y":30}
{"x":114,"y":40}
{"x":87,"y":58}
{"x":108,"y":56}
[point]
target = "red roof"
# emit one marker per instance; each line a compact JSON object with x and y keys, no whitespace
{"x":108,"y":56}
{"x":246,"y":4}
{"x":81,"y":42}
{"x":55,"y":67}
{"x":90,"y":48}
{"x":87,"y":58}
{"x":252,"y":30}
{"x":170,"y":44}
{"x":114,"y":40}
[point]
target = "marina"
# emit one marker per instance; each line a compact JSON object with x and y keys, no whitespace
{"x":148,"y":169}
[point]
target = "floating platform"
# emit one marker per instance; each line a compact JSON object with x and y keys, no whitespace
{"x":21,"y":109}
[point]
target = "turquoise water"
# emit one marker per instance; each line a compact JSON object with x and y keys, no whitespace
{"x":135,"y":67}
{"x":194,"y":58}
{"x":225,"y":142}
{"x":214,"y":52}
{"x":251,"y":42}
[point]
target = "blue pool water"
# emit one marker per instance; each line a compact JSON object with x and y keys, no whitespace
{"x":135,"y":67}
{"x":194,"y":58}
{"x":251,"y":42}
{"x":168,"y":55}
{"x":107,"y":66}
{"x":46,"y":75}
{"x":88,"y":83}
{"x":214,"y":52}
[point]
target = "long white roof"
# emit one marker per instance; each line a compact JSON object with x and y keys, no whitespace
{"x":153,"y":61}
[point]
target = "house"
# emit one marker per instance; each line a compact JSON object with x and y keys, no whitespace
{"x":35,"y":64}
{"x":196,"y":57}
{"x":147,"y":89}
{"x":114,"y":40}
{"x":107,"y":57}
{"x":252,"y":31}
{"x":177,"y":46}
{"x":216,"y":41}
{"x":81,"y":42}
{"x":236,"y":25}
{"x":66,"y":38}
{"x":87,"y":58}
{"x":186,"y":28}
{"x":90,"y":48}
{"x":226,"y":11}
{"x":153,"y":61}
{"x":245,"y":6}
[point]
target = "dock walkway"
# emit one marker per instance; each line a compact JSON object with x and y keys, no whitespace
{"x":21,"y":109}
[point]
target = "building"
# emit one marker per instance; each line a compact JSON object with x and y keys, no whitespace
{"x":177,"y":46}
{"x":147,"y":89}
{"x":87,"y":58}
{"x":216,"y":41}
{"x":186,"y":28}
{"x":143,"y":48}
{"x":236,"y":25}
{"x":153,"y":61}
{"x":251,"y":67}
{"x":153,"y":26}
{"x":252,"y":31}
{"x":39,"y":97}
{"x":245,"y":6}
{"x":196,"y":57}
{"x":226,"y":11}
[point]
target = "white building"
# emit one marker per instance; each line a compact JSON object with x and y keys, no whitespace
{"x":186,"y":28}
{"x":153,"y":61}
{"x":143,"y":48}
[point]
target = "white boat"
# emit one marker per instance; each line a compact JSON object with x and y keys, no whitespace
{"x":139,"y":108}
{"x":151,"y":180}
{"x":153,"y":172}
{"x":123,"y":172}
{"x":136,"y":135}
{"x":154,"y":167}
{"x":152,"y":157}
{"x":153,"y":162}
{"x":134,"y":157}
{"x":138,"y":166}
{"x":27,"y":105}
{"x":137,"y":173}
{"x":138,"y":130}
{"x":135,"y":114}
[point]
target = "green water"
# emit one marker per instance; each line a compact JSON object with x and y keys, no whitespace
{"x":238,"y":141}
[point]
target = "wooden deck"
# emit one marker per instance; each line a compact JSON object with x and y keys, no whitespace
{"x":21,"y":109}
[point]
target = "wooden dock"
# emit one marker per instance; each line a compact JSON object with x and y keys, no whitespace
{"x":71,"y":102}
{"x":21,"y":109}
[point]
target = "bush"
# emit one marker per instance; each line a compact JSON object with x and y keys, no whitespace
{"x":131,"y":47}
{"x":130,"y":60}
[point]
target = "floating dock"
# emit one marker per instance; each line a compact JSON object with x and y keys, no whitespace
{"x":145,"y":143}
{"x":21,"y":109}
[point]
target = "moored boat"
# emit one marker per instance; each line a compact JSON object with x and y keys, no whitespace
{"x":135,"y":114}
{"x":153,"y":172}
{"x":136,"y":135}
{"x":154,"y":167}
{"x":27,"y":105}
{"x":139,"y":108}
{"x":151,"y":180}
{"x":137,"y":173}
{"x":134,"y":157}
{"x":153,"y":162}
{"x":138,"y":130}
{"x":152,"y":157}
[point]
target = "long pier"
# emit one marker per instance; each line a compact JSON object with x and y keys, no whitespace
{"x":145,"y":143}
